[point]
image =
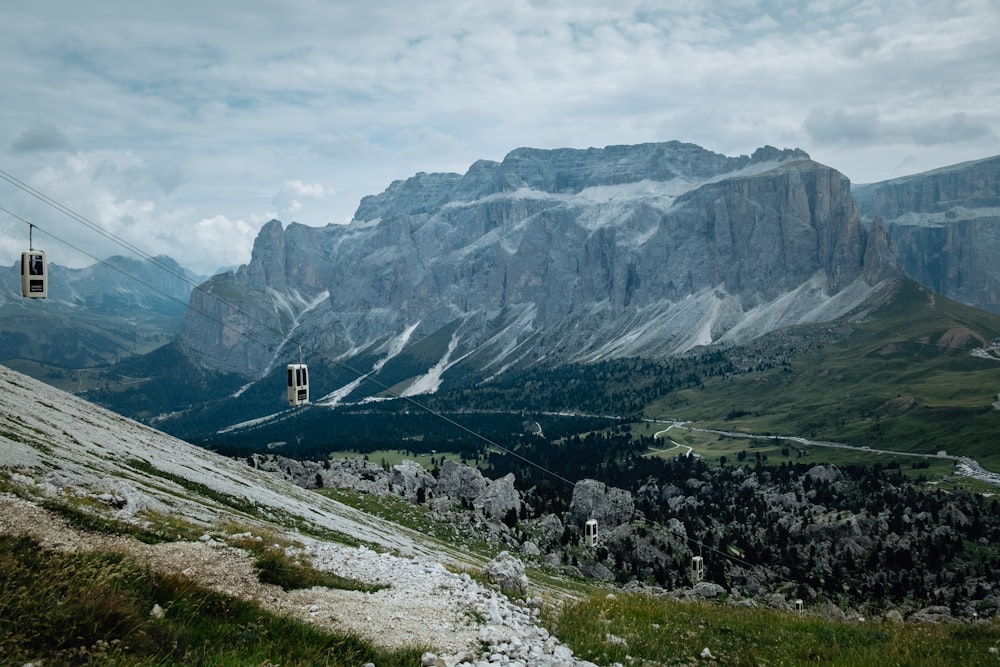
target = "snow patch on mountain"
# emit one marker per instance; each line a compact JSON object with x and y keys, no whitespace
{"x":297,"y":307}
{"x":637,"y":190}
{"x":945,"y":218}
{"x":755,"y":169}
{"x":251,"y":423}
{"x":392,"y":349}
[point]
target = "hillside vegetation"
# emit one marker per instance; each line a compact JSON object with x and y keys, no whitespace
{"x":903,"y":377}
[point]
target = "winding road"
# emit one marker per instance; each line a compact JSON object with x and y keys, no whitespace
{"x":964,"y":465}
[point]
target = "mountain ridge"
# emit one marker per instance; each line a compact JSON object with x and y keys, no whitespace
{"x":576,"y":267}
{"x":945,"y":227}
{"x":100,"y":314}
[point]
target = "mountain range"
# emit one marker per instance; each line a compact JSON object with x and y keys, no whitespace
{"x":96,"y":315}
{"x":563,"y":256}
{"x":945,"y":228}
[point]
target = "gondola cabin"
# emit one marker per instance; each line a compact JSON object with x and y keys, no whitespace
{"x":298,"y":384}
{"x":590,"y":533}
{"x":697,"y":569}
{"x":34,"y":275}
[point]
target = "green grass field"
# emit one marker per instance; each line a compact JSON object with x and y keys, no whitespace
{"x":645,"y":630}
{"x":904,"y":379}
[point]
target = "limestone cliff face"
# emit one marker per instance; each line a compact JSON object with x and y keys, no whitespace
{"x":564,"y":255}
{"x":945,"y":228}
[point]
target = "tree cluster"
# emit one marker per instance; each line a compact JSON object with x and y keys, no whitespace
{"x":870,"y":537}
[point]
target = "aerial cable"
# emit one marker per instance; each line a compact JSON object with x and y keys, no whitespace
{"x":41,"y":196}
{"x":363,"y":376}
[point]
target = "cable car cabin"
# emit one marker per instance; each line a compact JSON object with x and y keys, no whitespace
{"x":697,"y":569}
{"x":590,"y":533}
{"x":298,"y":384}
{"x":34,"y":275}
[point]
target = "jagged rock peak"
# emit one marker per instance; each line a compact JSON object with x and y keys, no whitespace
{"x":772,"y":154}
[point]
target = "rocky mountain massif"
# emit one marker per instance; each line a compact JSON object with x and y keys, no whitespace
{"x":945,"y":228}
{"x":550,"y":255}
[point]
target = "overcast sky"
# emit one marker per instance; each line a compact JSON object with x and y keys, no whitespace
{"x":182,"y":126}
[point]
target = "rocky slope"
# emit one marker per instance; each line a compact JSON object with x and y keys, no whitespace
{"x":62,"y":449}
{"x":945,"y":228}
{"x":562,"y":256}
{"x":875,"y":543}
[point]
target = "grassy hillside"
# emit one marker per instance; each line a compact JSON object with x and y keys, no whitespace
{"x":644,"y":630}
{"x":901,"y":377}
{"x":93,"y":608}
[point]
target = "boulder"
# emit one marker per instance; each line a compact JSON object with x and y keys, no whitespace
{"x":596,"y":500}
{"x":708,"y":590}
{"x":499,"y":498}
{"x":409,"y":477}
{"x":460,"y":482}
{"x":934,"y":614}
{"x":507,"y":572}
{"x":823,"y":474}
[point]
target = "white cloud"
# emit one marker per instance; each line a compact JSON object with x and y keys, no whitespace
{"x":314,"y":190}
{"x":288,"y":200}
{"x":220,"y":231}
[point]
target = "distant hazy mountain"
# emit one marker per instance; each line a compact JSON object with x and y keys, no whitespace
{"x":95,"y":315}
{"x":945,"y":228}
{"x":550,"y":255}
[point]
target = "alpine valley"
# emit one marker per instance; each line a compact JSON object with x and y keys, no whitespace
{"x":94,"y":316}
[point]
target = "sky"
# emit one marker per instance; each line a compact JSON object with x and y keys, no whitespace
{"x":182,"y":126}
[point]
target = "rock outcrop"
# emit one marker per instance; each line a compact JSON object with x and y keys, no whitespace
{"x":609,"y":506}
{"x":507,"y":572}
{"x":460,"y":482}
{"x":499,"y":499}
{"x":456,"y":483}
